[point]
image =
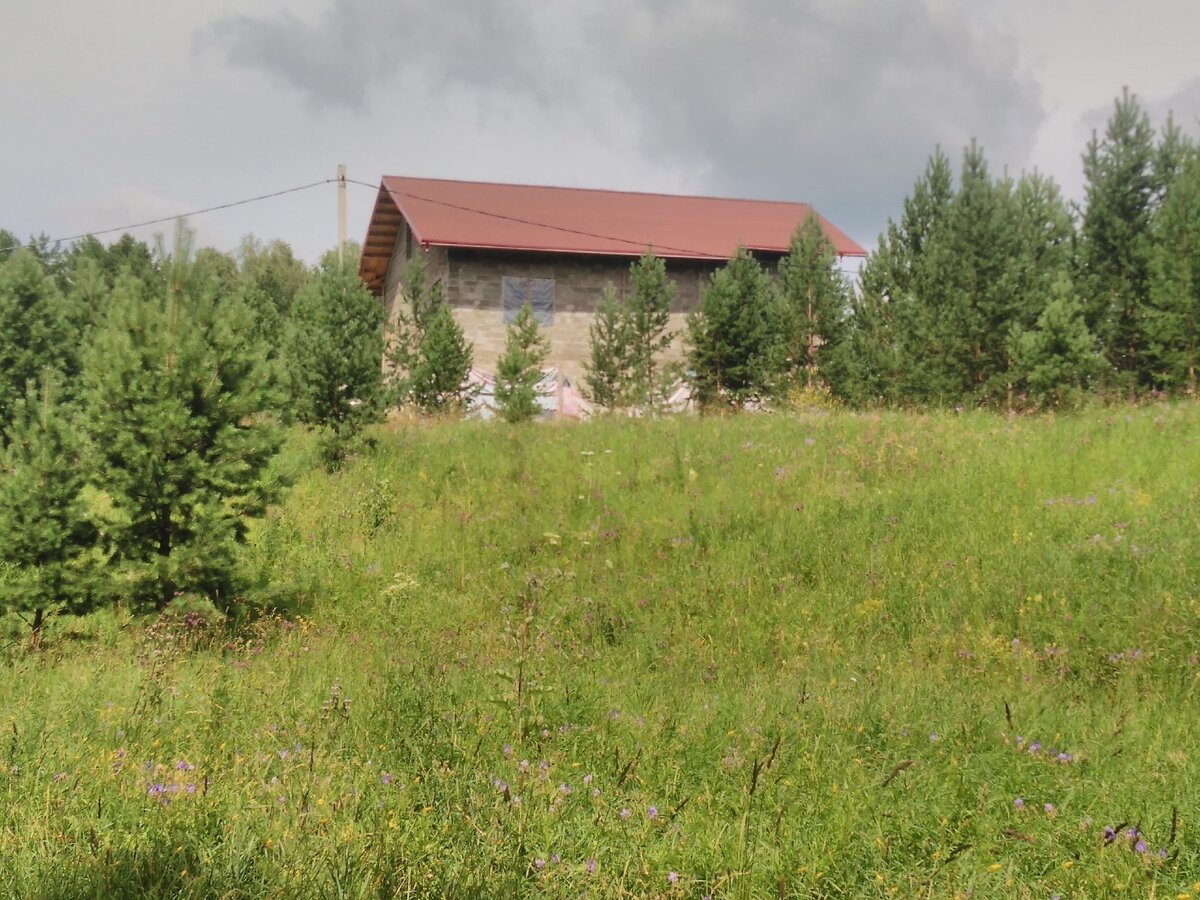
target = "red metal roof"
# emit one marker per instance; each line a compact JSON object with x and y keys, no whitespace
{"x":577,"y":220}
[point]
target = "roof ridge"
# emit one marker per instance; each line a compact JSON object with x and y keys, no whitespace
{"x":596,"y":190}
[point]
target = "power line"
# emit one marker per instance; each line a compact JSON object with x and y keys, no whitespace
{"x":186,"y":215}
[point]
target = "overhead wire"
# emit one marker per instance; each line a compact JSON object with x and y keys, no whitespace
{"x":381,"y":186}
{"x":186,"y":215}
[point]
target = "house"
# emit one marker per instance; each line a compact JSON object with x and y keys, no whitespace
{"x":495,"y":246}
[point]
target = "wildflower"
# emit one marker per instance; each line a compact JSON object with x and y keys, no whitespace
{"x":1035,"y":747}
{"x":539,"y":863}
{"x":587,"y":779}
{"x":935,"y":737}
{"x":1049,"y":808}
{"x":652,"y":812}
{"x":673,"y":877}
{"x":507,"y":750}
{"x":1019,"y":803}
{"x":1162,"y":854}
{"x":523,"y":766}
{"x":386,"y":778}
{"x":1064,"y":757}
{"x":564,"y":789}
{"x":595,"y":792}
{"x":591,"y":866}
{"x":182,"y":765}
{"x":191,"y":789}
{"x":1140,"y":847}
{"x":516,"y":800}
{"x":625,"y":814}
{"x":1109,"y":834}
{"x":554,"y":858}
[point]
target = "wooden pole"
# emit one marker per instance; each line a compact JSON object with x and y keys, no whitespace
{"x":341,"y":180}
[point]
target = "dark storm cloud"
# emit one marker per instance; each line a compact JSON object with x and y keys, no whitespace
{"x":836,"y":103}
{"x":839,"y":104}
{"x":357,"y":44}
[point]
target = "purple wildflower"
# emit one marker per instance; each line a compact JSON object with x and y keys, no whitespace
{"x":673,"y":877}
{"x":564,"y":789}
{"x":191,"y":789}
{"x":554,"y":858}
{"x":1049,"y":808}
{"x":591,"y":866}
{"x":507,"y":751}
{"x":182,"y":765}
{"x":523,"y":766}
{"x":652,"y":812}
{"x":1109,"y":834}
{"x":935,"y":737}
{"x":625,"y":813}
{"x":539,"y":863}
{"x":386,"y":778}
{"x":1035,"y":747}
{"x":1140,"y":847}
{"x":587,"y":779}
{"x":1019,"y":802}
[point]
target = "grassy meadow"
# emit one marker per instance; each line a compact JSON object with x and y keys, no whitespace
{"x":827,"y":655}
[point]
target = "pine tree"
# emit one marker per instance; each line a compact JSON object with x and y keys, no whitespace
{"x":607,"y":374}
{"x":520,"y":368}
{"x":1115,"y":243}
{"x":1173,"y":314}
{"x":911,"y":273}
{"x":45,"y":531}
{"x":444,"y":360}
{"x":334,"y":353}
{"x":429,"y":357}
{"x":176,"y":411}
{"x":648,"y":310}
{"x":1057,"y":360}
{"x":815,"y":303}
{"x":733,"y":335}
{"x":35,"y":330}
{"x":868,"y":362}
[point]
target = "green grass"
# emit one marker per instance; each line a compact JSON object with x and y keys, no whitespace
{"x":769,"y":654}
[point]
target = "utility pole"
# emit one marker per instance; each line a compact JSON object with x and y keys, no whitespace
{"x":341,"y":182}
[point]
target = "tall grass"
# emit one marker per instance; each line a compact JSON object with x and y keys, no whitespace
{"x":835,"y":655}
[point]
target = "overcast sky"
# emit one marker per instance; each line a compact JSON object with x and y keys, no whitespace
{"x":133,"y":109}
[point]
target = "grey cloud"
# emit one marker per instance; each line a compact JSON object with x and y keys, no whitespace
{"x":357,"y":44}
{"x":1183,"y":104}
{"x":836,"y":103}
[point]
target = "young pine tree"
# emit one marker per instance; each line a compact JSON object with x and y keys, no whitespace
{"x":443,"y":362}
{"x":607,"y":374}
{"x":334,"y":354}
{"x":177,"y":405}
{"x":520,"y":368}
{"x":1057,"y":360}
{"x":733,"y":335}
{"x":45,"y":531}
{"x":429,"y":356}
{"x":1115,"y":241}
{"x":648,"y":312}
{"x":1173,"y":314}
{"x":36,"y":332}
{"x":815,"y":303}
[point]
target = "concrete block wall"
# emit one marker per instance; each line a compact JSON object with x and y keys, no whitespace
{"x":471,"y":284}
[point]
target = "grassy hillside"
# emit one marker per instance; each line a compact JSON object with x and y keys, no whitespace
{"x":843,"y":656}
